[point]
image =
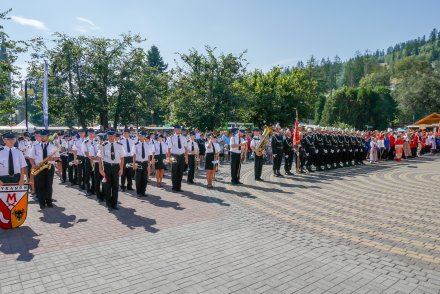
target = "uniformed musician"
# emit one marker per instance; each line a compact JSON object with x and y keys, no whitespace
{"x":288,"y":153}
{"x":236,"y":146}
{"x":142,"y":159}
{"x":127,"y":173}
{"x":212,"y":152}
{"x":160,"y":150}
{"x":44,"y":180}
{"x":193,"y":151}
{"x":258,"y":155}
{"x":78,"y":159}
{"x":111,"y":161}
{"x":13,"y":166}
{"x":277,"y":150}
{"x":177,"y":150}
{"x":89,"y":149}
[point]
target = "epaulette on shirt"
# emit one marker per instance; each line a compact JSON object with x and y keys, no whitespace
{"x":105,"y":143}
{"x":120,"y":143}
{"x":136,"y":143}
{"x":1,"y":148}
{"x":86,"y":141}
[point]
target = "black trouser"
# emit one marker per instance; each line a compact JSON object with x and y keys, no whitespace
{"x":71,"y":170}
{"x":127,"y":173}
{"x":288,"y":161}
{"x":10,"y":179}
{"x":414,"y":152}
{"x":235,"y":167}
{"x":277,"y":159}
{"x":88,"y":174}
{"x":177,"y":171}
{"x":141,"y":177}
{"x":300,"y":159}
{"x":258,"y":166}
{"x":29,"y":165}
{"x":80,"y":170}
{"x":319,"y":161}
{"x":310,"y":154}
{"x":64,"y":165}
{"x":44,"y":182}
{"x":191,"y":167}
{"x":391,"y":153}
{"x":97,"y":178}
{"x":110,"y":188}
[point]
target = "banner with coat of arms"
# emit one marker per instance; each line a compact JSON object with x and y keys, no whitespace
{"x":13,"y":206}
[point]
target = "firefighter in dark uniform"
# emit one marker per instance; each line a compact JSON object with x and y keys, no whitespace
{"x":319,"y":150}
{"x":309,"y":147}
{"x":142,"y":158}
{"x":277,"y":151}
{"x":288,"y":153}
{"x":193,"y":152}
{"x":127,"y":173}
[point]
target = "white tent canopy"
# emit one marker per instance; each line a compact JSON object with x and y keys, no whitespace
{"x":21,"y":127}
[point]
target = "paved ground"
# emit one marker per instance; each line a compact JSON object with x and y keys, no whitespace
{"x":369,"y":229}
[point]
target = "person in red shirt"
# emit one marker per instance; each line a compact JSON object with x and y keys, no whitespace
{"x":399,"y":147}
{"x":413,"y":144}
{"x":391,"y":153}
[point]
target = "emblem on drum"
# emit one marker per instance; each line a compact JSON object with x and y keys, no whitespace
{"x":13,"y":206}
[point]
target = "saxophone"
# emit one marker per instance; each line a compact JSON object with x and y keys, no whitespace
{"x":45,"y":164}
{"x":261,"y":147}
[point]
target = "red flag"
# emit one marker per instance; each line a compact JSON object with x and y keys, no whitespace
{"x":296,"y":137}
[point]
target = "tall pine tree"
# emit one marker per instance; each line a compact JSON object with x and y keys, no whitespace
{"x":155,"y":60}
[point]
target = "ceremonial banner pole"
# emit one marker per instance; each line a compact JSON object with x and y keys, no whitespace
{"x":45,"y":98}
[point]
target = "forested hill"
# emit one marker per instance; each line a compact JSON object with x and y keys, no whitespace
{"x":409,"y":69}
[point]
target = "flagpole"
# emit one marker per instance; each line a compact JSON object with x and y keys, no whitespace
{"x":45,"y":97}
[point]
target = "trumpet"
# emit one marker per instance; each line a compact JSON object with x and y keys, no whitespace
{"x":131,"y":165}
{"x":75,"y":162}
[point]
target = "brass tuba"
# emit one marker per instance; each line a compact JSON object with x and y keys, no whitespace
{"x":45,"y":164}
{"x":261,"y":147}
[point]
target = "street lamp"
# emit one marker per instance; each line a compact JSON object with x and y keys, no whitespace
{"x":152,"y":115}
{"x":25,"y":93}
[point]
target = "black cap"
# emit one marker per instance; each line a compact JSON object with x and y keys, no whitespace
{"x":44,"y":133}
{"x":9,"y":135}
{"x":81,"y":131}
{"x":177,"y":126}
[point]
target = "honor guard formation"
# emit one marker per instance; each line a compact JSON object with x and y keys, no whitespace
{"x":104,"y":163}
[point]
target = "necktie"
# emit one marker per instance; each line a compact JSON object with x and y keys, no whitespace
{"x":128,"y":146}
{"x":112,"y":152}
{"x":239,"y":146}
{"x":179,"y":145}
{"x":44,"y":151}
{"x":143,"y":151}
{"x":192,"y":146}
{"x":213,"y":148}
{"x":160,"y":146}
{"x":11,"y":163}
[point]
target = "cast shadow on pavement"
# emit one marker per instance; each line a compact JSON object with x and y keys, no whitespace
{"x":55,"y":215}
{"x":19,"y":241}
{"x":131,"y":220}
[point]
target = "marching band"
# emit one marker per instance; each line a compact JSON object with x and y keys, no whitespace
{"x":102,"y":164}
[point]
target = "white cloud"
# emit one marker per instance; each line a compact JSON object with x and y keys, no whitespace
{"x":37,"y":24}
{"x":85,"y":25}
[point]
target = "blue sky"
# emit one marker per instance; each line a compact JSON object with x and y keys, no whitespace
{"x":276,"y":32}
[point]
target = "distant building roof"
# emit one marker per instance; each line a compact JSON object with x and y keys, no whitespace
{"x":433,"y":118}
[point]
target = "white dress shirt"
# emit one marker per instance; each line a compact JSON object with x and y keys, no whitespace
{"x":157,"y":148}
{"x":128,"y":141}
{"x":190,"y":145}
{"x":77,"y":146}
{"x":37,"y":152}
{"x":235,"y":140}
{"x":148,"y":149}
{"x":173,"y":144}
{"x":90,"y":147}
{"x":17,"y":157}
{"x":209,"y":148}
{"x":105,"y":152}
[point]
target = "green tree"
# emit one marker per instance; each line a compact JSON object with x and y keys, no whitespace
{"x":155,"y":60}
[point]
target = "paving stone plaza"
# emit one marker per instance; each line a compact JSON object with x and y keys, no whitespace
{"x":362,"y":229}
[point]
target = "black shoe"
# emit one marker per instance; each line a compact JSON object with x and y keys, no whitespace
{"x":239,"y":183}
{"x":100,"y":200}
{"x":82,"y":187}
{"x":89,"y":193}
{"x":50,"y":205}
{"x":276,"y":175}
{"x":143,"y":194}
{"x":115,"y":208}
{"x":130,"y":189}
{"x":123,"y":189}
{"x":42,"y":206}
{"x":289,"y":173}
{"x":190,"y":182}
